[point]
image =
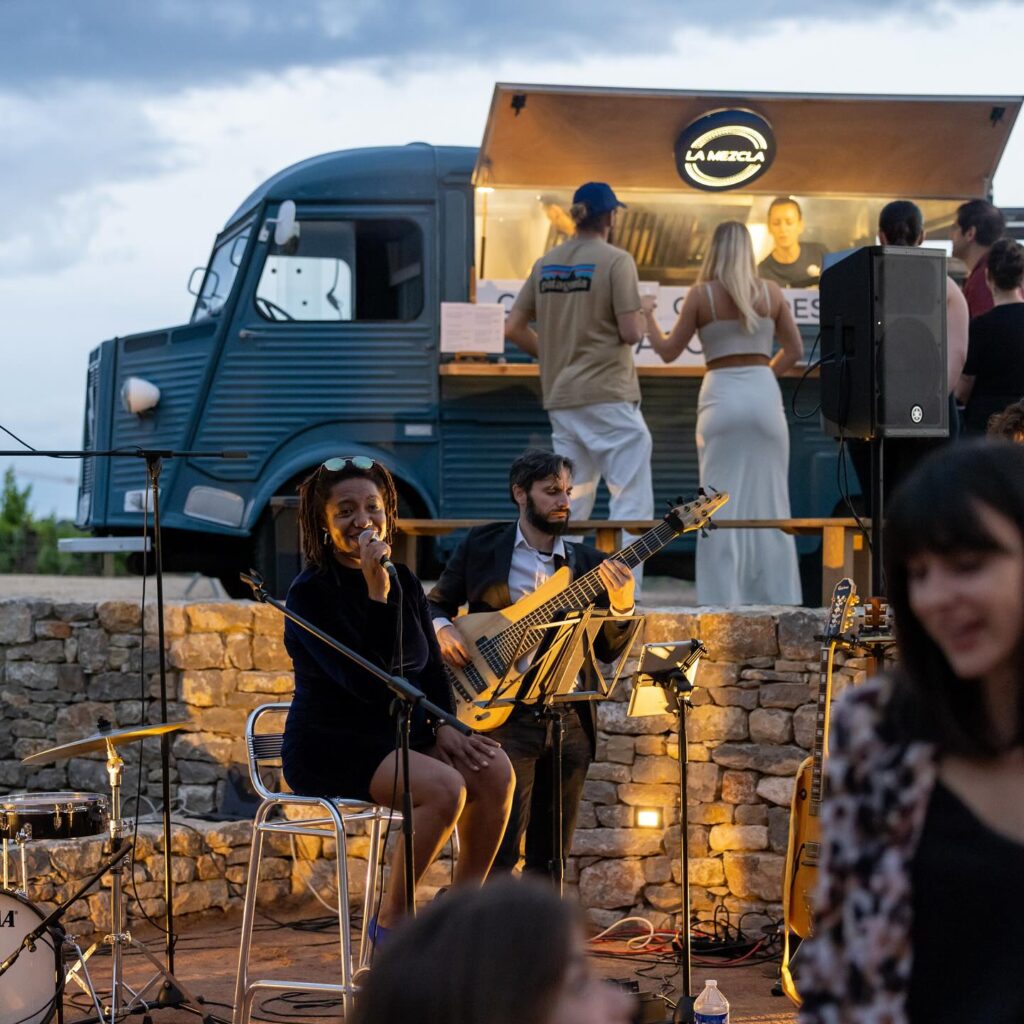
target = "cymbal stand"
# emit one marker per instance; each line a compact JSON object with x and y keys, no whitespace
{"x":124,"y":999}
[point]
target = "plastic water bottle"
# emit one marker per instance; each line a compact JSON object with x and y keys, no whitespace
{"x":711,"y":1006}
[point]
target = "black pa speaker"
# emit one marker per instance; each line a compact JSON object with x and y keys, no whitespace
{"x":883,"y":344}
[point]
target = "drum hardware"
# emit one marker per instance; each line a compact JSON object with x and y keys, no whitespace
{"x":172,"y":994}
{"x":30,"y":986}
{"x":21,"y":837}
{"x":123,"y":999}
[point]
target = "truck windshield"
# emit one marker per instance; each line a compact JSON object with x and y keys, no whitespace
{"x":220,"y":273}
{"x":345,"y":270}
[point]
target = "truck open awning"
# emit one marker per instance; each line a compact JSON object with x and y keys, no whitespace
{"x":926,"y":147}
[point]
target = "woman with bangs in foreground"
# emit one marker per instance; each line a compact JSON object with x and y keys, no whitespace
{"x":921,"y":888}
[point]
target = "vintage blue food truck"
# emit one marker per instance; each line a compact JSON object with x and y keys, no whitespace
{"x":316,"y":326}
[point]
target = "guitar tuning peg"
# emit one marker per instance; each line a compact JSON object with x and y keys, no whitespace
{"x":679,"y":499}
{"x":704,"y":531}
{"x":702,"y":492}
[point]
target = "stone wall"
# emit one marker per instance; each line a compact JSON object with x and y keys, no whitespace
{"x":63,"y":666}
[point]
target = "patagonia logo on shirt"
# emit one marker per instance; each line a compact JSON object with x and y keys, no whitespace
{"x":557,"y":277}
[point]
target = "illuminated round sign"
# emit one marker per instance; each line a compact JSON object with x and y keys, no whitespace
{"x":725,"y":149}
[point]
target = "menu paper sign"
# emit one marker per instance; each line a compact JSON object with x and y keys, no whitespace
{"x":472,"y":327}
{"x":500,"y":294}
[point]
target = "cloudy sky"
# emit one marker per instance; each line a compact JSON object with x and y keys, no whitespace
{"x":130,"y":131}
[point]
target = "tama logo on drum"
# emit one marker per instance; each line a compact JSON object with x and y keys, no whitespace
{"x":7,"y":920}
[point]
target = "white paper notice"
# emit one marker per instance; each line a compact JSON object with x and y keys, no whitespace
{"x":472,"y":327}
{"x":495,"y":290}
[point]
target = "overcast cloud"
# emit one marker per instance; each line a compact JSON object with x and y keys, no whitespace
{"x":175,"y":43}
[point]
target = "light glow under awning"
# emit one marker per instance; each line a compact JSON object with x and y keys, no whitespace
{"x":939,"y":147}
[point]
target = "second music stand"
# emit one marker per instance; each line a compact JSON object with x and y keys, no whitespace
{"x":566,"y":668}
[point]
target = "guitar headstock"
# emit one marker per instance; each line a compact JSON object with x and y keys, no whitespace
{"x":840,"y":613}
{"x":877,"y":615}
{"x":695,"y":514}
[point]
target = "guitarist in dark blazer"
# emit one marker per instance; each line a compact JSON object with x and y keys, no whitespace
{"x":493,"y":567}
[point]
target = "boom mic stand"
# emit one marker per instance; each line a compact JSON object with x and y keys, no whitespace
{"x":408,"y":698}
{"x":171,"y":995}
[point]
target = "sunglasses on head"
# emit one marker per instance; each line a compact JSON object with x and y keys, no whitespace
{"x":340,"y":462}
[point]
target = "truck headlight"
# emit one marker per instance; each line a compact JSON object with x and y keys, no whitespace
{"x":139,"y":396}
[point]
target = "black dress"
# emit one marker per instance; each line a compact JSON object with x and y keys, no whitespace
{"x":968,"y":902}
{"x":340,"y":725}
{"x":995,"y":358}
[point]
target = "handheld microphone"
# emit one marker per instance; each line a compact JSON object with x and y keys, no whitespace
{"x":385,"y":563}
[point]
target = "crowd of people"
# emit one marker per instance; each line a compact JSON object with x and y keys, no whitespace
{"x":926,"y":765}
{"x":580,"y":313}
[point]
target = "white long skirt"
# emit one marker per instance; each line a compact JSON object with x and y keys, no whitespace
{"x":743,"y":448}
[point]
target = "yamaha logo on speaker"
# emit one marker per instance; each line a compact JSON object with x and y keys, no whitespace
{"x":725,"y":149}
{"x":916,"y":414}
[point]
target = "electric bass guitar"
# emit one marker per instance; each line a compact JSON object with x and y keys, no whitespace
{"x":495,"y":639}
{"x":804,"y":824}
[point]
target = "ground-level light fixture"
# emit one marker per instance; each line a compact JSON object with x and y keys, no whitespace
{"x":648,"y":817}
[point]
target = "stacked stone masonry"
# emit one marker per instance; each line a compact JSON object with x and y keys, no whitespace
{"x":63,"y":666}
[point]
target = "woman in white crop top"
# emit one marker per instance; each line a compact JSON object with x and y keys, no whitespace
{"x":742,"y":434}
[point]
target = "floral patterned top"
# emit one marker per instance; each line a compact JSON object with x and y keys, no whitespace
{"x":856,"y":968}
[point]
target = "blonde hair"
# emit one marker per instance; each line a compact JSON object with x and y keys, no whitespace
{"x":730,"y":262}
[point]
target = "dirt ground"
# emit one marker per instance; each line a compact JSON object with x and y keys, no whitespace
{"x":207,"y":957}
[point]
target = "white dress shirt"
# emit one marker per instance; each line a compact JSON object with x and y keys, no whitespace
{"x":531,"y":568}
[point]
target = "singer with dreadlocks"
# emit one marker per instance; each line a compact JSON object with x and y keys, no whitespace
{"x":340,"y":737}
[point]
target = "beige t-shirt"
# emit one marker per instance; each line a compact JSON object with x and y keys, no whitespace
{"x":574,"y":293}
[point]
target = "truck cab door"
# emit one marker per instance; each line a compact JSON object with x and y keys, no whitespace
{"x":335,"y":332}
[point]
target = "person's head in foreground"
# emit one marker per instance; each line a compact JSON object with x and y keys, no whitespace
{"x":954,"y":551}
{"x":509,"y":953}
{"x":1009,"y":423}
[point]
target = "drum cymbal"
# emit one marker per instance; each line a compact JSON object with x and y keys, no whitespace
{"x":98,"y":741}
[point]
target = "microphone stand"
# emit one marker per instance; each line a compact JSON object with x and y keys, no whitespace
{"x":170,"y":995}
{"x":407,"y":699}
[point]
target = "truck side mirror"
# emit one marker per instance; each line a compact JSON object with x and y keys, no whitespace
{"x":194,"y":282}
{"x":286,"y":226}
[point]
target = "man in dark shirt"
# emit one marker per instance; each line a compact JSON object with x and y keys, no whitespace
{"x":790,"y":264}
{"x":979,"y":225}
{"x":495,"y":566}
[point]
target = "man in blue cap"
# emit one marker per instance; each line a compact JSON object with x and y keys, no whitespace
{"x":584,"y":298}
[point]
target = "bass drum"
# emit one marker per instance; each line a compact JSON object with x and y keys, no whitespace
{"x":30,"y":989}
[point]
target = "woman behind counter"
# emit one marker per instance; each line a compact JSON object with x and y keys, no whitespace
{"x":921,"y":884}
{"x":742,"y":434}
{"x":340,"y":736}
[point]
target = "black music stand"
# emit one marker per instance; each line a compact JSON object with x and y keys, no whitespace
{"x":565,"y":654}
{"x":663,"y":684}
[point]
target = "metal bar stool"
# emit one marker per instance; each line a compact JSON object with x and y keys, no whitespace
{"x":332,"y":815}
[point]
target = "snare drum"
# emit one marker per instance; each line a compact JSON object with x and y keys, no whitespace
{"x":31,"y":987}
{"x":52,"y":815}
